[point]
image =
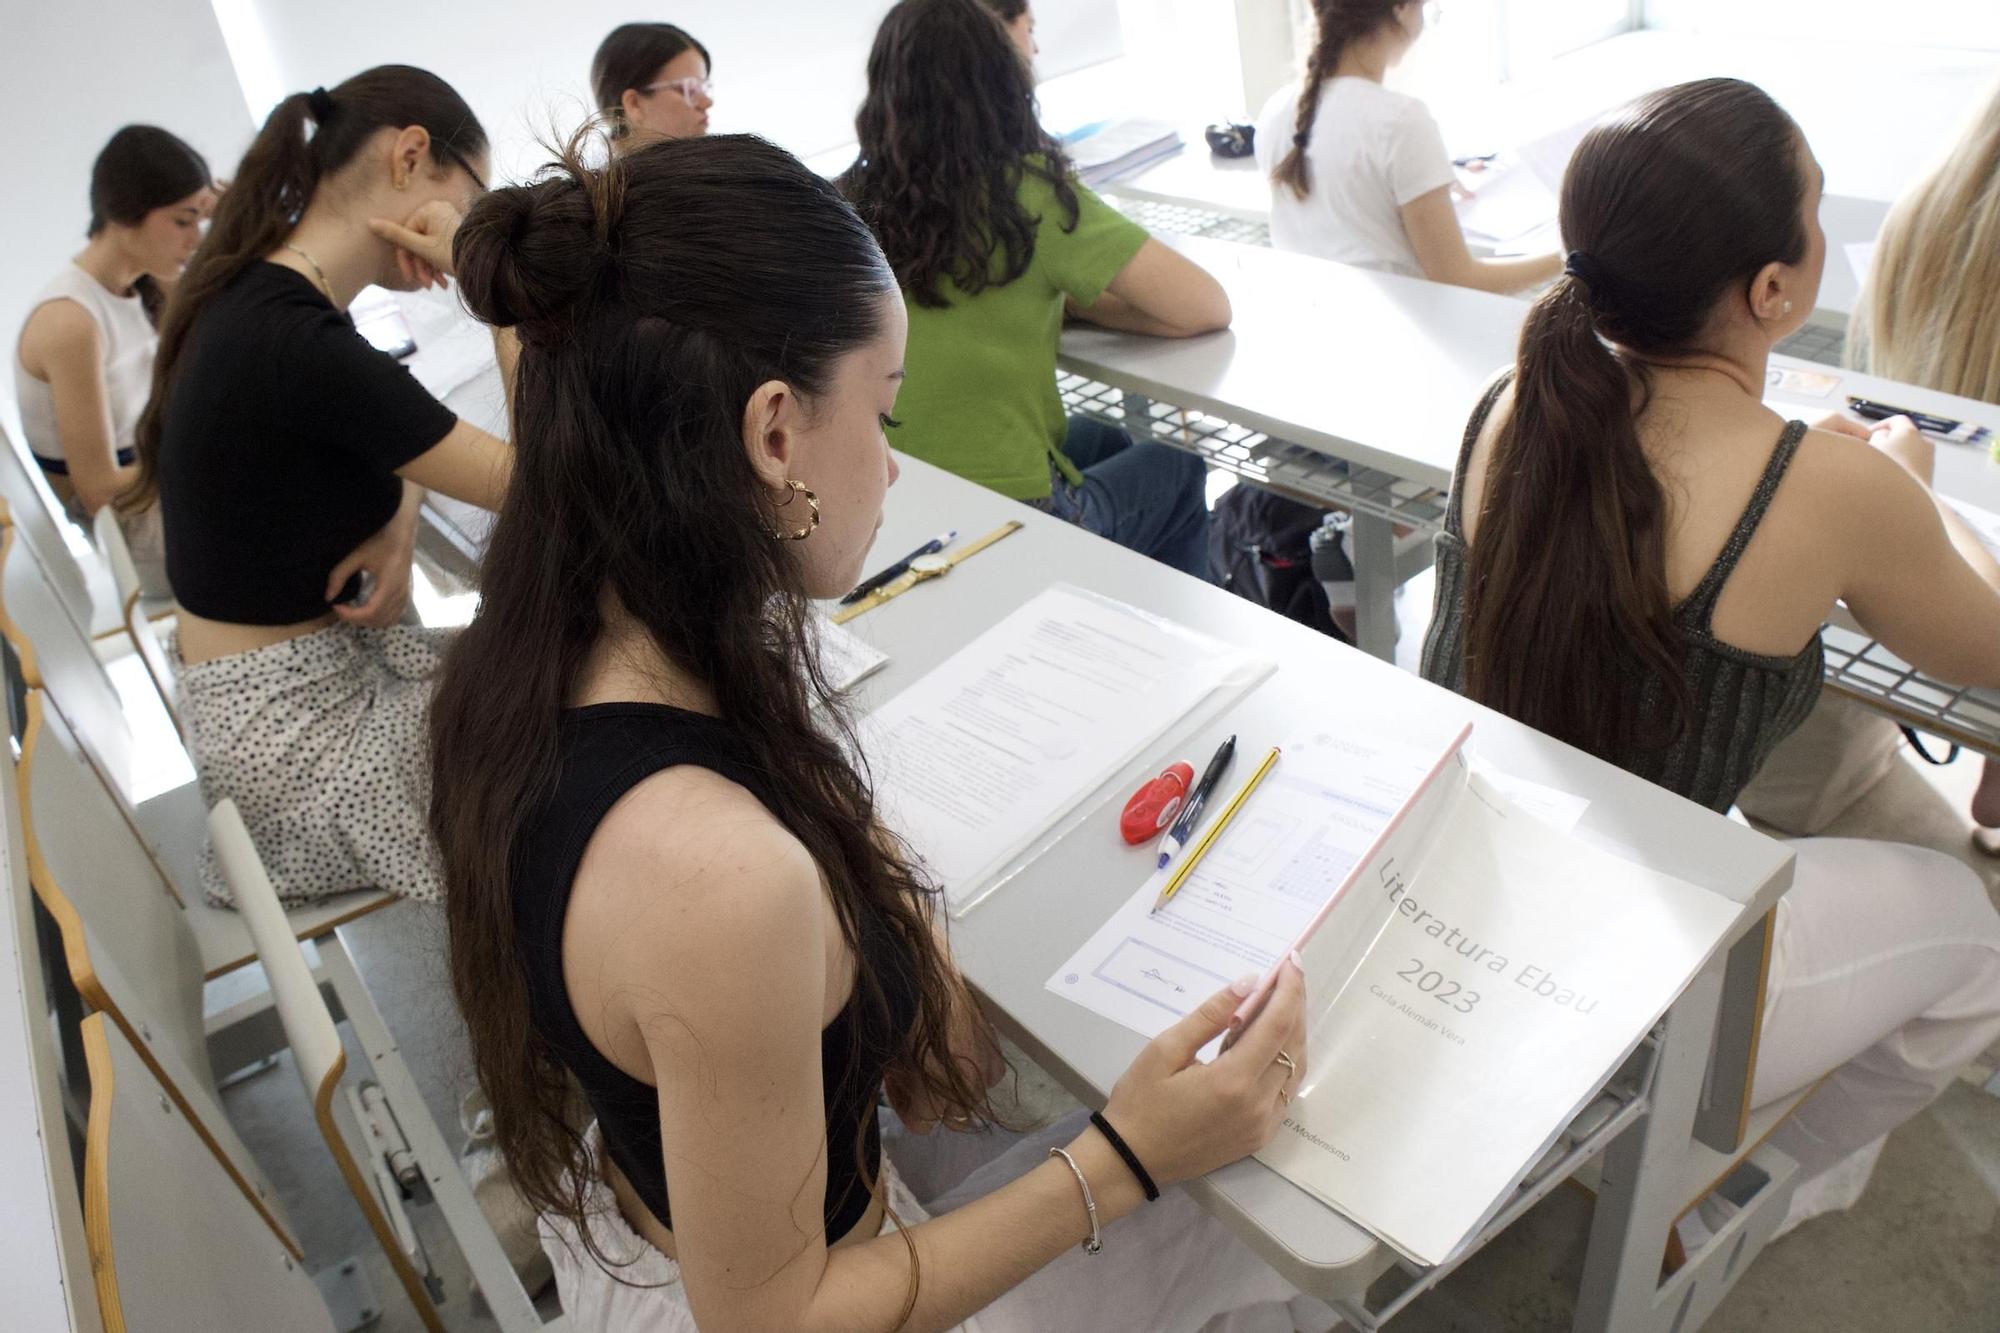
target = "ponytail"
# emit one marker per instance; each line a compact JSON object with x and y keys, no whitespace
{"x":1672,"y":206}
{"x":269,"y":192}
{"x":1569,"y":492}
{"x":1336,"y":23}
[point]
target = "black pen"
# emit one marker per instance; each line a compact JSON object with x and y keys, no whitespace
{"x":901,"y":567}
{"x":1178,"y":835}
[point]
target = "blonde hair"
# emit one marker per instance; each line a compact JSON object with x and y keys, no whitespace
{"x":1930,"y":311}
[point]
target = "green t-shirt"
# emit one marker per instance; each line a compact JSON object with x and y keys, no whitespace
{"x":980,"y":395}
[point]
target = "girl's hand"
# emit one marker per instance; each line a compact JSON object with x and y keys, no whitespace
{"x":1184,"y":1119}
{"x":423,"y":242}
{"x":1899,"y":438}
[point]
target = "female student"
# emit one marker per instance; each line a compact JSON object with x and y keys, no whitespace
{"x":1018,"y":17}
{"x":84,"y":363}
{"x":651,"y":82}
{"x":1638,"y":556}
{"x":288,"y":457}
{"x":992,"y":238}
{"x":665,"y":886}
{"x":1360,"y":174}
{"x":1931,"y":312}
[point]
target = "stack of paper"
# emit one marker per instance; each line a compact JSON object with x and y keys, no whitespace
{"x":976,"y":763}
{"x":1474,"y":974}
{"x":1111,"y":150}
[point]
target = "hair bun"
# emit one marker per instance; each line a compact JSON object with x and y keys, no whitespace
{"x":528,"y":255}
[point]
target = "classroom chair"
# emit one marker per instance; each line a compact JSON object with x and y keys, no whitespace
{"x":51,"y":656}
{"x":142,"y":628}
{"x":83,"y":584}
{"x":173,"y":1246}
{"x":381,"y":1135}
{"x":127,"y":947}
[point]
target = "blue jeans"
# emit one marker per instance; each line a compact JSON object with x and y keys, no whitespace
{"x":1146,"y":497}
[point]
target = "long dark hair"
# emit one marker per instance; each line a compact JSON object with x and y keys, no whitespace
{"x":1669,"y":206}
{"x":652,"y":296}
{"x":139,"y":169}
{"x":272,"y":187}
{"x":1336,"y":23}
{"x":628,"y":58}
{"x":947,"y":131}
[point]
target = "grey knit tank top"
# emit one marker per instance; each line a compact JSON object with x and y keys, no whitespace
{"x":1744,"y":703}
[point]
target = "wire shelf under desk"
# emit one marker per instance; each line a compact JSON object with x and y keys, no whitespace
{"x":1865,"y":671}
{"x":1279,"y":465}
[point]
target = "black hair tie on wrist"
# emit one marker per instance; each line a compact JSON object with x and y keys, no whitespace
{"x":1119,"y":1146}
{"x":320,"y":102}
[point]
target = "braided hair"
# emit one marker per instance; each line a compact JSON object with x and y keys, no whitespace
{"x":1338,"y":22}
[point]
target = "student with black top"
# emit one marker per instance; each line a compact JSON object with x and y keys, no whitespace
{"x":667,"y":892}
{"x":1638,"y":555}
{"x":288,"y":459}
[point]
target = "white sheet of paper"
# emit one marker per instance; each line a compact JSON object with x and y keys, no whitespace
{"x":1511,"y":202}
{"x":1260,"y":884}
{"x":976,"y":762}
{"x":1985,"y":524}
{"x":1860,"y":254}
{"x":452,"y":346}
{"x":1517,"y":969}
{"x":845,"y":657}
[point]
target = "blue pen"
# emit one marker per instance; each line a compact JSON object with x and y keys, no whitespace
{"x":1183,"y":828}
{"x":901,"y":567}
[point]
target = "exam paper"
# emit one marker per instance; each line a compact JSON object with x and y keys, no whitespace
{"x":844,"y":657}
{"x":1255,"y":891}
{"x":1985,"y":524}
{"x":976,"y":762}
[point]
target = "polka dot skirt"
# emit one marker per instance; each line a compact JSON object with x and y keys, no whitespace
{"x":322,"y":743}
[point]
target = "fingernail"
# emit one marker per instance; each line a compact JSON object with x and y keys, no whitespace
{"x":1244,"y":984}
{"x":1298,"y":962}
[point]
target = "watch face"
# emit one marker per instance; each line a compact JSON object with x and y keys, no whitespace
{"x":930,"y":565}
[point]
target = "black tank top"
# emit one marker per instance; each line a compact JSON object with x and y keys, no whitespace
{"x":1744,"y":702}
{"x":604,"y":751}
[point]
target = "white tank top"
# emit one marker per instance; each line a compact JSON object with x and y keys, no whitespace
{"x":127,"y":340}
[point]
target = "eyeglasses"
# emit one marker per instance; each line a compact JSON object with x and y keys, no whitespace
{"x":689,"y":88}
{"x":459,"y":160}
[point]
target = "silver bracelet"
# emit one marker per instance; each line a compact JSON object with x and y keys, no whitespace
{"x":1096,"y":1241}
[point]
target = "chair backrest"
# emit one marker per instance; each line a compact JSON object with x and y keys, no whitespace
{"x":84,"y":589}
{"x":172,"y":1240}
{"x":139,"y":626}
{"x":317,"y":1054}
{"x":128,"y":948}
{"x":52,"y":655}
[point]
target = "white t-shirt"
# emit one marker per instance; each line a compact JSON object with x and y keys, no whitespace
{"x":1371,"y":152}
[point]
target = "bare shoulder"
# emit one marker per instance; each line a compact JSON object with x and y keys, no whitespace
{"x":58,"y":332}
{"x":690,"y":869}
{"x":1842,"y":475}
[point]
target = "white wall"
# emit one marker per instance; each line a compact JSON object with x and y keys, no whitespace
{"x":1960,"y":25}
{"x":69,"y":76}
{"x":791,"y":71}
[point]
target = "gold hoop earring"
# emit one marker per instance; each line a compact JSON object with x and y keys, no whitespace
{"x":796,"y":489}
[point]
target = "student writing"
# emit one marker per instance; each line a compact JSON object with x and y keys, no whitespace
{"x":1639,"y":554}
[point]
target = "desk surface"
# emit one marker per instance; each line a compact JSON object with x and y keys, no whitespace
{"x":1012,"y":942}
{"x":1372,"y":367}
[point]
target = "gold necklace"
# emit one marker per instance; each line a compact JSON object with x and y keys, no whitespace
{"x":318,"y":272}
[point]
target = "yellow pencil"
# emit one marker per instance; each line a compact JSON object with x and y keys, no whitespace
{"x":1193,"y":858}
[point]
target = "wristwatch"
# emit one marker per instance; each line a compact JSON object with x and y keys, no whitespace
{"x":922,"y":570}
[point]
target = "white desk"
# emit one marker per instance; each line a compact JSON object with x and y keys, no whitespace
{"x":1371,"y":370}
{"x":1012,"y":943}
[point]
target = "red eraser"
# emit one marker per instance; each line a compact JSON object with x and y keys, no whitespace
{"x":1154,"y":805}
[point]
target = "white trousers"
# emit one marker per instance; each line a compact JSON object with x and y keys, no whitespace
{"x":1885,"y":970}
{"x":1168,"y":1268}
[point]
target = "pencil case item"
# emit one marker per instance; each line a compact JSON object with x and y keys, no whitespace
{"x":1154,"y":805}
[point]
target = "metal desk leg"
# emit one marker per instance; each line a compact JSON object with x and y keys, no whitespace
{"x":1620,"y":1291}
{"x":1371,"y":544}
